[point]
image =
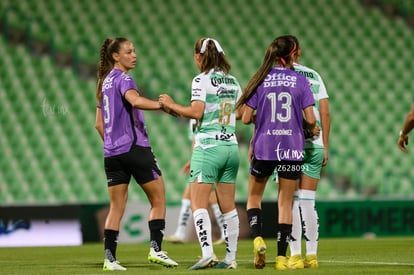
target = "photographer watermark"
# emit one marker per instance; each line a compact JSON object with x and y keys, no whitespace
{"x":51,"y":109}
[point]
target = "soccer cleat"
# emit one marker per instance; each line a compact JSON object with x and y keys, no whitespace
{"x":311,"y":261}
{"x":205,"y":262}
{"x":115,"y":265}
{"x":174,"y":239}
{"x":295,"y":262}
{"x":224,"y":265}
{"x":259,"y":253}
{"x":161,"y":258}
{"x":281,"y":263}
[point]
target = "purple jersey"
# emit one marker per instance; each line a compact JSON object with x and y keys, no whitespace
{"x":123,"y":125}
{"x":279,"y":101}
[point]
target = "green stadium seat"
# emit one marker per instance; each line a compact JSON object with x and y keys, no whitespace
{"x":348,"y":45}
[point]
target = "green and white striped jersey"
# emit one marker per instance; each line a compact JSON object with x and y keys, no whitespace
{"x":219,"y":92}
{"x":319,"y":92}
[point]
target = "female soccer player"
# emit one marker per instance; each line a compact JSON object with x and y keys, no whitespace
{"x":215,"y":157}
{"x":315,"y":157}
{"x":184,"y":217}
{"x":279,"y":96}
{"x":405,"y":130}
{"x":127,"y":151}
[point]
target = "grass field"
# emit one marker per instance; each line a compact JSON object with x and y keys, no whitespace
{"x":336,"y":256}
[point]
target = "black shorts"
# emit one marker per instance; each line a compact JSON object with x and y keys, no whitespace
{"x":285,"y":169}
{"x":139,"y":162}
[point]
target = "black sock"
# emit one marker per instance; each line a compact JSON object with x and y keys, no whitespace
{"x":283,"y":237}
{"x":156,"y":233}
{"x":254,"y":215}
{"x":110,"y":243}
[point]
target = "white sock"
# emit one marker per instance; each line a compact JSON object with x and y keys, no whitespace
{"x":231,"y":234}
{"x":183,"y":219}
{"x":219,"y":218}
{"x":310,"y":221}
{"x":202,"y":225}
{"x":295,"y":243}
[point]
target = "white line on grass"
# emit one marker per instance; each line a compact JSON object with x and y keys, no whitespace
{"x":364,"y":263}
{"x":250,"y":259}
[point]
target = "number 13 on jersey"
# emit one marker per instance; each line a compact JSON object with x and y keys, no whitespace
{"x":284,"y":114}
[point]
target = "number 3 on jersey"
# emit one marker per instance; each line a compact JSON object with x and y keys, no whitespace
{"x":285,"y":99}
{"x":106,"y":108}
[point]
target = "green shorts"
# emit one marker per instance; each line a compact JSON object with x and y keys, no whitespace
{"x":312,"y":162}
{"x":215,"y":164}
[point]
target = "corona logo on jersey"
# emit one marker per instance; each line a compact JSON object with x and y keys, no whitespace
{"x":217,"y":80}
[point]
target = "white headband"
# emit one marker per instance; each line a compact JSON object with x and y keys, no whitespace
{"x":204,"y":45}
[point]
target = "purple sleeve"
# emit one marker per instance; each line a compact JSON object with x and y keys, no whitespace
{"x":127,"y":83}
{"x":252,"y":102}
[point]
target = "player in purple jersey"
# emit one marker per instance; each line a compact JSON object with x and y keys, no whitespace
{"x":275,"y":99}
{"x":120,"y":123}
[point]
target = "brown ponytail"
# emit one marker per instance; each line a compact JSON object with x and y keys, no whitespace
{"x":280,"y":49}
{"x":211,"y":58}
{"x":106,"y":62}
